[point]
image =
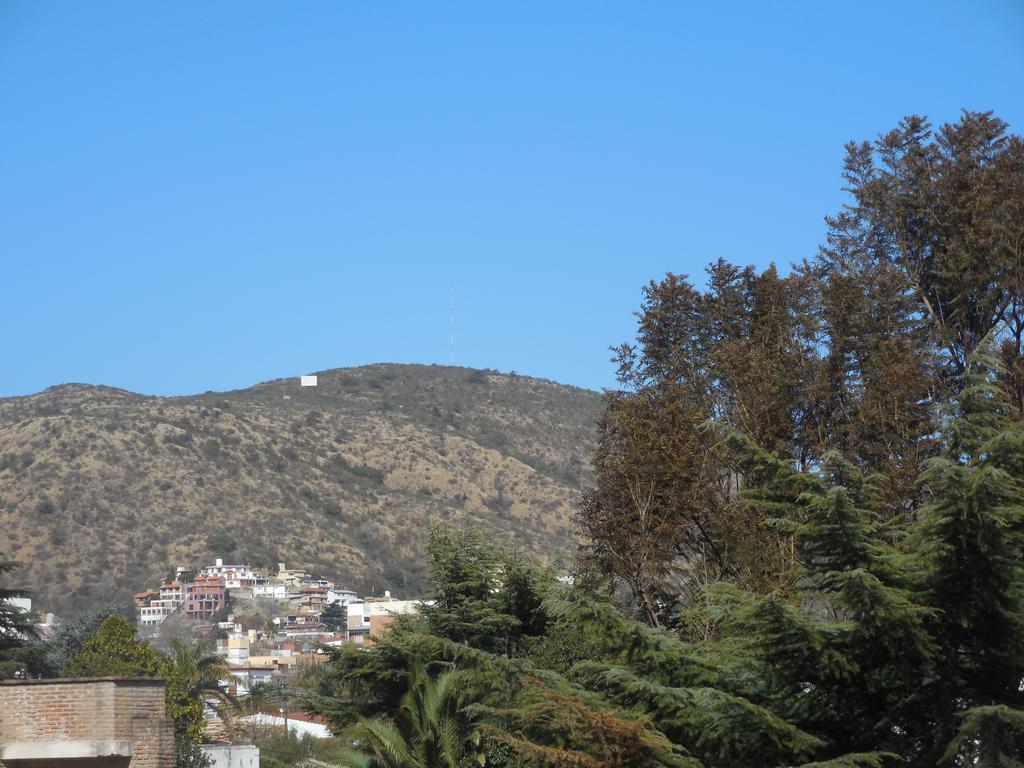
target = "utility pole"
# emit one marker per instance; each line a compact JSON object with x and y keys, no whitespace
{"x":284,"y":706}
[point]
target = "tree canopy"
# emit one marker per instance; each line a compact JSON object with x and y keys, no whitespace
{"x":856,"y":351}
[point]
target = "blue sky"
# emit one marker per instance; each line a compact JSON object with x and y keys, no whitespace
{"x":201,"y":196}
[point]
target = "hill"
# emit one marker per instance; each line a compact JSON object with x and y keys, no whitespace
{"x":103,"y":491}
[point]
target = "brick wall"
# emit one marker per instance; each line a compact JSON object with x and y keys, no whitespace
{"x":48,"y":713}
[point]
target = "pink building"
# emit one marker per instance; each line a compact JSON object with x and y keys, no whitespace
{"x":204,"y":597}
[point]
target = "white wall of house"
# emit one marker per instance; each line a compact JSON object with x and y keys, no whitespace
{"x":234,"y":576}
{"x":342,"y":596}
{"x":232,"y":755}
{"x":277,"y":590}
{"x":359,"y":613}
{"x":298,"y":727}
{"x":22,"y":603}
{"x":244,"y":678}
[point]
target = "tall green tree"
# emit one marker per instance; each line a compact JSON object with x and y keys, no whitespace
{"x":870,"y":397}
{"x":70,"y":635}
{"x":656,"y":700}
{"x":482,"y":595}
{"x":467,"y":575}
{"x":845,"y":653}
{"x":970,"y":541}
{"x":883,"y":637}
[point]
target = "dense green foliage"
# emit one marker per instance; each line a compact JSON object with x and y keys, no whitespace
{"x":71,"y":634}
{"x":114,"y":650}
{"x":23,"y":652}
{"x":429,"y":728}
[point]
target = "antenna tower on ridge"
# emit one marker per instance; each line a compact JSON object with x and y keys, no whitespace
{"x":451,"y":326}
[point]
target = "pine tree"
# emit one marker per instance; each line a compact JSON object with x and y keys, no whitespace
{"x":942,"y":208}
{"x":701,"y":705}
{"x":969,"y":540}
{"x":737,"y":354}
{"x":552,"y":727}
{"x":845,"y":653}
{"x":467,"y":575}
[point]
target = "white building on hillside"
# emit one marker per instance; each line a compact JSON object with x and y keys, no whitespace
{"x":235,"y":650}
{"x":371,"y":616}
{"x":269,"y":588}
{"x":341,"y":596}
{"x":172,"y":596}
{"x":235,"y":576}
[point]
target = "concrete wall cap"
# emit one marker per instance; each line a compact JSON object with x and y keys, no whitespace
{"x":141,"y":681}
{"x":59,"y":750}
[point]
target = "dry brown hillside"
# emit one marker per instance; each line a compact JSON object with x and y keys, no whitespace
{"x":103,"y":491}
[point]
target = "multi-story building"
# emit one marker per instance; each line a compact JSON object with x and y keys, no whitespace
{"x":204,"y":596}
{"x":292,"y":577}
{"x":142,"y":599}
{"x":235,"y":576}
{"x":310,"y":598}
{"x":171,"y":597}
{"x":235,"y":650}
{"x":174,"y":591}
{"x":371,"y":616}
{"x":272,"y":588}
{"x":311,"y":630}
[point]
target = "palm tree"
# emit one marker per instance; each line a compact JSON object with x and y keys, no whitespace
{"x":196,"y":676}
{"x":429,"y":730}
